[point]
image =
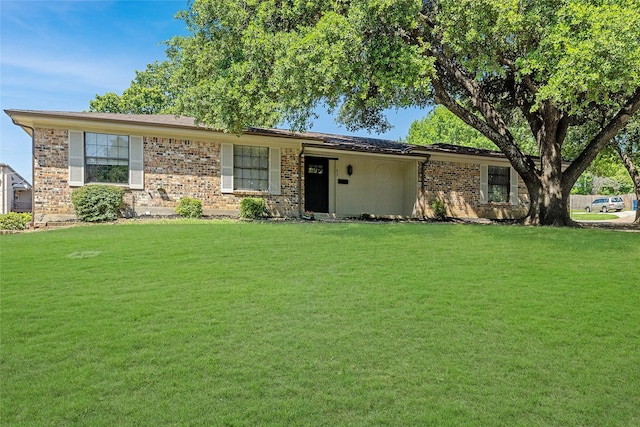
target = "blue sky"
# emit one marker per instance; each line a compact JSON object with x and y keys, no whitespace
{"x":57,"y":55}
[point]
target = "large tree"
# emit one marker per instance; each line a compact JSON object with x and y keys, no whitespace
{"x":561,"y":63}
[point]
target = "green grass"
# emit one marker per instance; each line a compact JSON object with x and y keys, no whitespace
{"x":214,"y":323}
{"x":594,"y":216}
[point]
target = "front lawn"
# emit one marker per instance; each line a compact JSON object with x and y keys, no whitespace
{"x":247,"y":324}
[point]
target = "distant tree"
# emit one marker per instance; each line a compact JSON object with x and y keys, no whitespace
{"x":627,"y":145}
{"x":151,"y":92}
{"x":442,"y":126}
{"x":561,"y":63}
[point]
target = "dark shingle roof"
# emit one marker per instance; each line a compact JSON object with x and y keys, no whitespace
{"x":458,"y":149}
{"x":344,"y":142}
{"x":323,"y":140}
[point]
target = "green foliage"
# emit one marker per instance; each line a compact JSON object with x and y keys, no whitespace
{"x":584,"y":185}
{"x":252,"y":208}
{"x":96,"y":203}
{"x":264,"y":63}
{"x":151,"y":92}
{"x":442,"y":126}
{"x":189,"y":208}
{"x":269,"y":62}
{"x":14,"y":221}
{"x":439,"y":209}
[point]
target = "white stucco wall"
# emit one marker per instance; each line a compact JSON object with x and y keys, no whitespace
{"x":377,"y":186}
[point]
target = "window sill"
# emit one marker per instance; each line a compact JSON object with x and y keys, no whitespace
{"x":250,"y":193}
{"x":113,"y":184}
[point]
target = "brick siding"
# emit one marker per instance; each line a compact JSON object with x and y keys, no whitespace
{"x":458,"y":186}
{"x":174,"y":168}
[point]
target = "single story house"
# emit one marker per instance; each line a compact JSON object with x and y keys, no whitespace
{"x":162,"y":158}
{"x":15,"y":191}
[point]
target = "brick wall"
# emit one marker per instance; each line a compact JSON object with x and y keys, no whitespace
{"x":174,"y":168}
{"x":458,"y":186}
{"x":51,"y":191}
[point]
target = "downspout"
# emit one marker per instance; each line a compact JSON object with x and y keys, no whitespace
{"x":423,"y":165}
{"x":300,"y":181}
{"x":33,"y":171}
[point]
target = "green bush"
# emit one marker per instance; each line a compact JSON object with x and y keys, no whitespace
{"x":439,"y":209}
{"x":14,"y":221}
{"x":189,"y":207}
{"x":96,"y":203}
{"x":252,"y":208}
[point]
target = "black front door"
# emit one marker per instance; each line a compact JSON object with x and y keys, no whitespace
{"x":316,"y":184}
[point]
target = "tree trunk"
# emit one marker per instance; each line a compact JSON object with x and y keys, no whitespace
{"x":549,"y":205}
{"x":549,"y":189}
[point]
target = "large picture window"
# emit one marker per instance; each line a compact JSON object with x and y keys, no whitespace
{"x":499,"y":184}
{"x":106,"y":158}
{"x":250,"y":168}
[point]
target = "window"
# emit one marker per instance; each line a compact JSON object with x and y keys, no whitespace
{"x":250,"y":168}
{"x":96,"y":157}
{"x":499,"y":184}
{"x":106,"y":158}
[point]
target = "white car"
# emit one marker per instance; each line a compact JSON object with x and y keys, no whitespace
{"x":606,"y":204}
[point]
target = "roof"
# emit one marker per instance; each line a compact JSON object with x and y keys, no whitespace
{"x":323,"y":140}
{"x":458,"y":149}
{"x":151,"y":119}
{"x":345,"y":142}
{"x":17,"y":181}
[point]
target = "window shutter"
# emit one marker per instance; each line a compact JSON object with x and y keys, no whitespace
{"x":274,"y":171}
{"x":76,"y":158}
{"x":226,"y":169}
{"x":513,"y":193}
{"x":484,"y":184}
{"x":136,"y":163}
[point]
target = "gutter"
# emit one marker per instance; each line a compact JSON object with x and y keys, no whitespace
{"x":328,"y":146}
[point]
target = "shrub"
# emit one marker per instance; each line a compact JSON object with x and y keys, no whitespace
{"x":96,"y":203}
{"x":252,"y":208}
{"x":189,"y":207}
{"x":14,"y":221}
{"x":439,"y":209}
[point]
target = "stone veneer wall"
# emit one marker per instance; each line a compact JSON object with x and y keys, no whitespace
{"x":174,"y":168}
{"x":462,"y":194}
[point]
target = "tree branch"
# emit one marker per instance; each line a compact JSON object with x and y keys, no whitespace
{"x":602,"y":139}
{"x":494,"y":126}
